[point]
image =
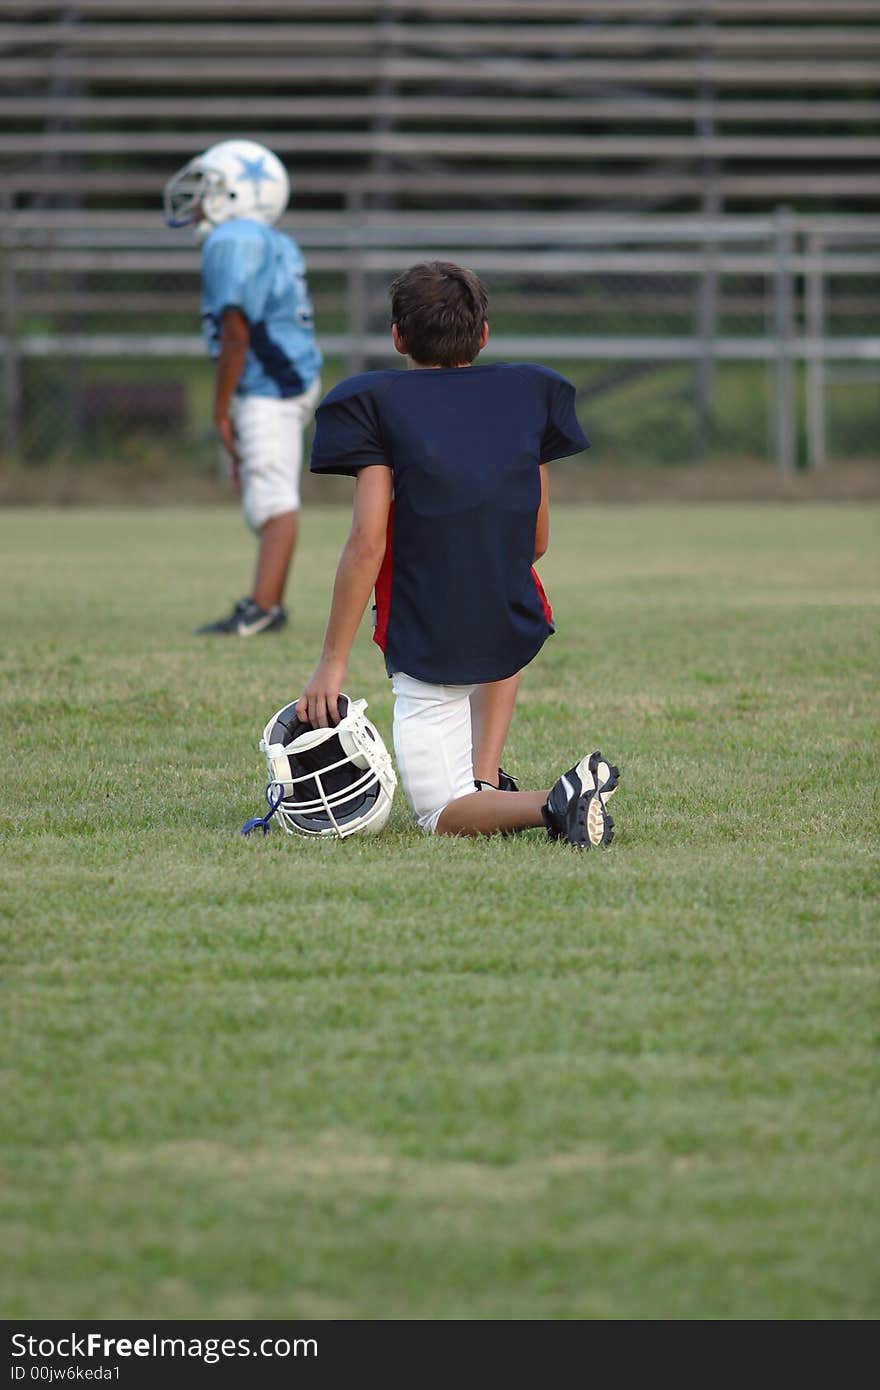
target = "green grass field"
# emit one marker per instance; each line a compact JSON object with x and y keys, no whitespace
{"x":402,"y":1077}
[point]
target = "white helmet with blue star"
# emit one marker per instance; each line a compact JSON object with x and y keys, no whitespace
{"x":236,"y":178}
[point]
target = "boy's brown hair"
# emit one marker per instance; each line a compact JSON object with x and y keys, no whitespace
{"x":439,"y":309}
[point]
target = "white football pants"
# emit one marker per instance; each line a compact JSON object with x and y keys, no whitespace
{"x":433,"y":745}
{"x":269,"y":433}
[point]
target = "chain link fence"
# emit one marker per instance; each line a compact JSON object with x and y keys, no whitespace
{"x":736,"y":342}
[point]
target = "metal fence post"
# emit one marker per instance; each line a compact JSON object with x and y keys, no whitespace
{"x":817,"y":448}
{"x":708,"y":283}
{"x":11,"y":363}
{"x":356,"y":283}
{"x":783,"y":328}
{"x":707,"y":331}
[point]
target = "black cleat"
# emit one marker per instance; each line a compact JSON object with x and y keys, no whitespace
{"x":505,"y":783}
{"x":576,"y":810}
{"x":247,"y":619}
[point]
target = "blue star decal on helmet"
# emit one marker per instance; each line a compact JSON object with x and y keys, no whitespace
{"x":254,"y":171}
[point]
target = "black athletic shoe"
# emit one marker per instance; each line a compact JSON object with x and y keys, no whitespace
{"x":505,"y":783}
{"x":576,"y":810}
{"x":247,"y":619}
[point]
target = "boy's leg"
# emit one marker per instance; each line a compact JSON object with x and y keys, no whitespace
{"x":269,"y":433}
{"x":432,"y":744}
{"x":269,"y":439}
{"x":485,"y":812}
{"x":491,"y":712}
{"x":574,"y":809}
{"x":274,"y":554}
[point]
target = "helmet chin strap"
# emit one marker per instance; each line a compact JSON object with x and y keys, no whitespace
{"x":273,"y":802}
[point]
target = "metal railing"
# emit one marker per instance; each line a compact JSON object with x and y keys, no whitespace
{"x":797,"y":297}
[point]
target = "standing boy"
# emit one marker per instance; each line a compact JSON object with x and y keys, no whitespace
{"x":462,"y":452}
{"x":258,"y":324}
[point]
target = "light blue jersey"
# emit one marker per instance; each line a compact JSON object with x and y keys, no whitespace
{"x":249,"y":266}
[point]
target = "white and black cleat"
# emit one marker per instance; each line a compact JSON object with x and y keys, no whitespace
{"x":576,"y":808}
{"x":247,"y":619}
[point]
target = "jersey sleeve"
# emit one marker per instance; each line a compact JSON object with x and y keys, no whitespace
{"x":348,"y":434}
{"x":232,"y":276}
{"x":562,"y":434}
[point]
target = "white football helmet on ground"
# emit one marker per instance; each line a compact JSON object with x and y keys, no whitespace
{"x":236,"y":178}
{"x":326,"y":782}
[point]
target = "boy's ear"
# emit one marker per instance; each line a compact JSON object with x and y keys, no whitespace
{"x":484,"y":336}
{"x":399,"y":344}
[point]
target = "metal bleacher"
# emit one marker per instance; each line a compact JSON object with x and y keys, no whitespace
{"x":566,"y":144}
{"x":582,"y":104}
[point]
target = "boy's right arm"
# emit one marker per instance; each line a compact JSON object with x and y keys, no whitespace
{"x":355,"y":577}
{"x":235,"y":338}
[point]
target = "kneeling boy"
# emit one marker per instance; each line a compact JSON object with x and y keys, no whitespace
{"x":459,"y":452}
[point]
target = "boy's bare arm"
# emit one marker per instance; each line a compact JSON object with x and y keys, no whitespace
{"x":355,"y":577}
{"x":542,"y":528}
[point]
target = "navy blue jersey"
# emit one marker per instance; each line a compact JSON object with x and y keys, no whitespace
{"x":465,"y":445}
{"x":260,"y":271}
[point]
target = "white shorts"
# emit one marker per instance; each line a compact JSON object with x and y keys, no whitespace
{"x":269,"y":434}
{"x":432,"y":745}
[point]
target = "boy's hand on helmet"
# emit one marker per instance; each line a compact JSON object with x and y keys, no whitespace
{"x":318,"y":702}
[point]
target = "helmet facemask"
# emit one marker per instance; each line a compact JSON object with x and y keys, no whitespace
{"x":182,"y":195}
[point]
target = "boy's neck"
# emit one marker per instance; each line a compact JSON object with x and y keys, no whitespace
{"x":413,"y":366}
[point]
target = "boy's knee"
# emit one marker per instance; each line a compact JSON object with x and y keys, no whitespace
{"x":427,"y":820}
